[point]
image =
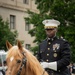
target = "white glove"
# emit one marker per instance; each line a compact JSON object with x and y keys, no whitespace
{"x":44,"y":64}
{"x":51,"y":65}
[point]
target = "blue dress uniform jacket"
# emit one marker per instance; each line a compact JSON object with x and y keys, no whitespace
{"x":58,"y":50}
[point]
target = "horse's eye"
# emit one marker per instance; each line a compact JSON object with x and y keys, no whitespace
{"x":18,"y":61}
{"x":5,"y":62}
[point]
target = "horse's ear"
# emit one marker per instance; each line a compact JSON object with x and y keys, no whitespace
{"x":8,"y":45}
{"x":19,"y":45}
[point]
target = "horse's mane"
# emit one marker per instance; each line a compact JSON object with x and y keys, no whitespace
{"x":32,"y":63}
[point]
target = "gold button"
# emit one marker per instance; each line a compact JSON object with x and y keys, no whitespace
{"x":59,"y":70}
{"x":47,"y":54}
{"x":55,"y":54}
{"x":47,"y":60}
{"x":52,"y":74}
{"x":49,"y":43}
{"x":54,"y":50}
{"x":52,"y":39}
{"x":48,"y":48}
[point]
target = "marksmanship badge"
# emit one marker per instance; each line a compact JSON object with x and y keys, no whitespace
{"x":56,"y":46}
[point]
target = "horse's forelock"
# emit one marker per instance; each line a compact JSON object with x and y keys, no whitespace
{"x":13,"y":51}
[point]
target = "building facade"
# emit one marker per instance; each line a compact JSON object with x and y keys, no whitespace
{"x":15,"y":11}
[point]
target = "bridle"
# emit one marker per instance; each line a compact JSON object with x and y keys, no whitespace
{"x":23,"y":63}
{"x":24,"y":60}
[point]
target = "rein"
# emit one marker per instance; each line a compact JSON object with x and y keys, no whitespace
{"x":23,"y":64}
{"x":43,"y":72}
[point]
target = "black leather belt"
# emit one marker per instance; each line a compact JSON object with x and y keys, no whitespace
{"x":52,"y":72}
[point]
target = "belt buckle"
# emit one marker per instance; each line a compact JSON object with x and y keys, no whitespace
{"x":52,"y":73}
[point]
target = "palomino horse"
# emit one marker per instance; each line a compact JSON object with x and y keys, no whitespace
{"x":22,"y":62}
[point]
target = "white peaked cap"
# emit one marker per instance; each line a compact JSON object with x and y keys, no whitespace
{"x":51,"y":23}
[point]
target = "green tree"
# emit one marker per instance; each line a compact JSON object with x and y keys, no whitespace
{"x":6,"y":34}
{"x":62,"y":10}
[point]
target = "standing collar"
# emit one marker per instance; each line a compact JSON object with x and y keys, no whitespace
{"x":51,"y":39}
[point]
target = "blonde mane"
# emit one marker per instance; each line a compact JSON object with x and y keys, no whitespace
{"x":33,"y":66}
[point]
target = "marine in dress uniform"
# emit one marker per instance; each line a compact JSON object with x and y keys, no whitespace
{"x":54,"y":52}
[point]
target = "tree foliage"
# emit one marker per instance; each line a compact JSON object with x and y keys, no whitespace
{"x":62,"y":10}
{"x":6,"y":34}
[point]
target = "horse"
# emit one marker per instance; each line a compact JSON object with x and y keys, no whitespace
{"x":21,"y":61}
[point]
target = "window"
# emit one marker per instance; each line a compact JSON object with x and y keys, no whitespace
{"x":26,"y":1}
{"x":27,"y":46}
{"x":27,"y":26}
{"x":12,"y":22}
